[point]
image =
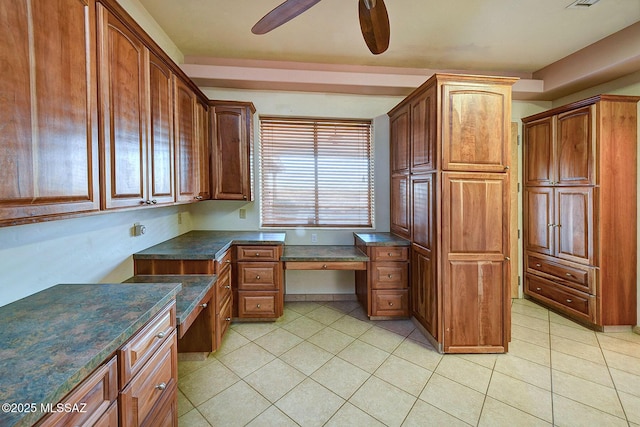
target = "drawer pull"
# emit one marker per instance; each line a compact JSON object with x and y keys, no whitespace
{"x":258,"y":277}
{"x":569,"y":274}
{"x":228,"y":261}
{"x":161,"y":386}
{"x":538,"y":289}
{"x":390,"y":304}
{"x":538,"y":265}
{"x":204,"y":305}
{"x":228,"y":319}
{"x":257,"y":254}
{"x":569,"y":301}
{"x":227,"y":287}
{"x":389,"y":254}
{"x":258,"y":306}
{"x":389,"y":276}
{"x":324,"y":266}
{"x":160,"y":335}
{"x":507,"y":258}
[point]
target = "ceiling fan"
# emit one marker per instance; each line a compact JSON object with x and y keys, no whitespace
{"x":374,"y":20}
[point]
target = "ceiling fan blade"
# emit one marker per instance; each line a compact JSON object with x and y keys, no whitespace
{"x":374,"y":23}
{"x":281,"y":14}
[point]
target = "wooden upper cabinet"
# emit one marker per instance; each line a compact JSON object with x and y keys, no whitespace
{"x":476,"y":127}
{"x":423,"y":131}
{"x":400,"y":148}
{"x":422,"y":210}
{"x":161,"y":145}
{"x":574,"y":224}
{"x":187,"y":150}
{"x":48,"y":110}
{"x":204,"y":147}
{"x":232,"y":150}
{"x":400,"y":205}
{"x":539,"y":217}
{"x":539,"y":152}
{"x":575,"y":145}
{"x":122,"y":89}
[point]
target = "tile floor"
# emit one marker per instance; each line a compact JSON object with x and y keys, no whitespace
{"x":326,"y":364}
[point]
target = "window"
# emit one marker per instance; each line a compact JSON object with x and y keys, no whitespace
{"x":316,"y":172}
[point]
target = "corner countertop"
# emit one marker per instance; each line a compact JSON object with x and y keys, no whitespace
{"x":194,"y":288}
{"x":52,"y":340}
{"x":207,"y":244}
{"x":322,"y":253}
{"x":381,"y":239}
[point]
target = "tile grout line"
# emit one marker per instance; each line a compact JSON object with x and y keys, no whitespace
{"x":615,"y":387}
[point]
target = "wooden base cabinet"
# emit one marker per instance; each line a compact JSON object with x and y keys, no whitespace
{"x":580,"y":214}
{"x":451,"y":137}
{"x":259,"y":282}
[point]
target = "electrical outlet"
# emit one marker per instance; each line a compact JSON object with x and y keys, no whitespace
{"x":243,"y":213}
{"x":314,"y":238}
{"x":139,"y":229}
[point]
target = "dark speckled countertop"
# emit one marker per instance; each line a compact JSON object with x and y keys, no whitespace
{"x":207,"y":244}
{"x":194,"y":288}
{"x":381,"y":239}
{"x":52,"y":340}
{"x":323,"y":253}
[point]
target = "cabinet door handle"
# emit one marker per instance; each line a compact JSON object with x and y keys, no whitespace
{"x":227,"y":287}
{"x":161,"y":386}
{"x":506,"y":168}
{"x":507,"y":258}
{"x":160,"y":335}
{"x":228,"y":319}
{"x":204,"y":305}
{"x":551,"y":225}
{"x":154,"y":201}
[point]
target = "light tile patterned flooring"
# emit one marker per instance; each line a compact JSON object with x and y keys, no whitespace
{"x":327,"y":364}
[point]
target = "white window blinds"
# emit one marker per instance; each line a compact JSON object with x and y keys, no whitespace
{"x":316,"y":172}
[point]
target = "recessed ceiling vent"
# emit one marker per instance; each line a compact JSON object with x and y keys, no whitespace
{"x":582,"y":4}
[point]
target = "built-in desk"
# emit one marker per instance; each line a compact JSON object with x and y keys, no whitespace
{"x":324,"y":257}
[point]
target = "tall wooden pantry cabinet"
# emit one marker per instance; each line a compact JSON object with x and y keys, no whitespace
{"x":580,"y":209}
{"x":450,"y":158}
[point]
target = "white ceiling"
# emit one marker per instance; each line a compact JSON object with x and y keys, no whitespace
{"x":506,"y":37}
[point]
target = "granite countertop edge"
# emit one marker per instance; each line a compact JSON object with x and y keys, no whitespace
{"x":323,"y":253}
{"x":381,"y":239}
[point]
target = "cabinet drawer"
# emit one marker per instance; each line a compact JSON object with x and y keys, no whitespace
{"x":223,"y":288}
{"x":258,"y":276}
{"x":223,"y":320}
{"x":393,"y":275}
{"x":258,"y":253}
{"x":93,"y":396}
{"x":142,"y":345}
{"x":390,"y":303}
{"x":258,"y":304}
{"x":390,"y":253}
{"x":223,"y":263}
{"x":191,"y":318}
{"x":109,"y":418}
{"x":575,"y":276}
{"x":565,"y":299}
{"x":150,"y":385}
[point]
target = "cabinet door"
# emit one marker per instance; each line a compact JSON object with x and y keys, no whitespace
{"x":475,"y":241}
{"x":400,"y":204}
{"x":202,"y":132}
{"x":539,"y":220}
{"x":422,"y":215}
{"x":123,"y":107}
{"x":231,"y":153}
{"x":423,"y":131}
{"x":48,"y":111}
{"x":424,"y":291}
{"x":475,"y":127}
{"x":574,"y":224}
{"x":161,"y":146}
{"x":399,"y":140}
{"x":539,"y":152}
{"x":187,"y":181}
{"x":575,"y":147}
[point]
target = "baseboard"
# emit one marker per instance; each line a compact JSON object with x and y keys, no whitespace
{"x":319,"y":297}
{"x":636,"y":329}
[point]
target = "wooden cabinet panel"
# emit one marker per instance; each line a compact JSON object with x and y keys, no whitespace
{"x":258,"y":276}
{"x":258,"y":253}
{"x":388,"y":303}
{"x":423,"y":215}
{"x":123,"y":110}
{"x":187,"y":150}
{"x":389,"y":253}
{"x":577,"y":276}
{"x":48,"y":109}
{"x":474,"y":301}
{"x":161,"y":143}
{"x":260,"y":304}
{"x":390,"y":275}
{"x":423,"y":131}
{"x":400,"y":205}
{"x":574,"y":225}
{"x":540,"y":154}
{"x":575,"y":148}
{"x":204,"y":156}
{"x":232,"y":163}
{"x":424,"y":292}
{"x":475,"y":128}
{"x":539,"y":214}
{"x":577,"y":304}
{"x":400,"y":131}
